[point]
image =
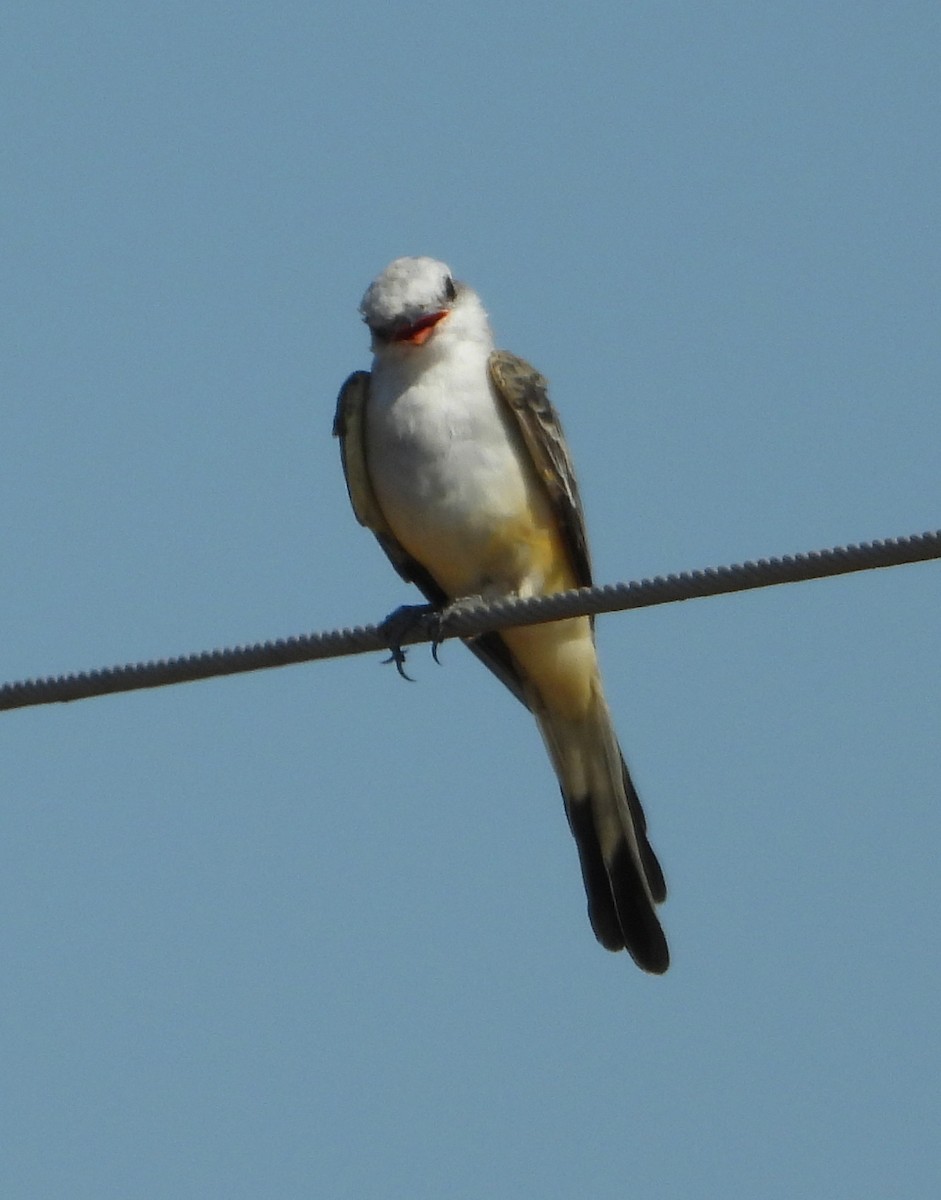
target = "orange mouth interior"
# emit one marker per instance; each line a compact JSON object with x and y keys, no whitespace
{"x":419,"y":331}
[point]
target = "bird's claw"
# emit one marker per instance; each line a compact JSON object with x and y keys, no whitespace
{"x":396,"y":627}
{"x":400,"y":623}
{"x":397,"y":656}
{"x":439,"y":622}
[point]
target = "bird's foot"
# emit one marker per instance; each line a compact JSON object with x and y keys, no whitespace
{"x":443,"y":615}
{"x":397,"y":626}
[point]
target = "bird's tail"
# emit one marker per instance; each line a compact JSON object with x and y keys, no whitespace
{"x":623,"y":879}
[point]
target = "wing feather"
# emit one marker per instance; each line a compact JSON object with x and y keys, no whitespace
{"x":526,"y":394}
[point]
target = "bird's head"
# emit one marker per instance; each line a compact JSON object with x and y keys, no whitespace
{"x":414,"y":300}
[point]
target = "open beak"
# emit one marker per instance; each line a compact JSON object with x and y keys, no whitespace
{"x":419,"y":331}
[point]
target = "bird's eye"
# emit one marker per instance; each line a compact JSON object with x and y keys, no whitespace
{"x":449,"y":289}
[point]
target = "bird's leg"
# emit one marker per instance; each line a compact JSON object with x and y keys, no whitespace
{"x":396,"y":626}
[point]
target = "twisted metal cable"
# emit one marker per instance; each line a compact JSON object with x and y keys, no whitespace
{"x":474,"y":619}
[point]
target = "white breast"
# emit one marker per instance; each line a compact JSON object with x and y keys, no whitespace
{"x":442,"y":454}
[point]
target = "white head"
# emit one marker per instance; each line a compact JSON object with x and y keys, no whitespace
{"x":416,"y":301}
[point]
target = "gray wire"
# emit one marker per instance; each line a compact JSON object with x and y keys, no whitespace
{"x":475,"y":619}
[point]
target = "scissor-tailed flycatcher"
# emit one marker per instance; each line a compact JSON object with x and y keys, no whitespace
{"x":455,"y":459}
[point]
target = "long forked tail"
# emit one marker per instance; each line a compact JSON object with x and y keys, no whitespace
{"x":623,"y":879}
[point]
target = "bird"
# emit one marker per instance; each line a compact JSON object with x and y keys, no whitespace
{"x":454,"y":458}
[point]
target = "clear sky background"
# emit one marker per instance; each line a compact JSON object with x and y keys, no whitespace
{"x":319,"y":932}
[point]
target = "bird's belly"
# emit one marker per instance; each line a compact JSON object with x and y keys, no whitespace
{"x":460,"y":495}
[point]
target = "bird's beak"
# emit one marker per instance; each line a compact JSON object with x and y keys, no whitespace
{"x":419,"y":331}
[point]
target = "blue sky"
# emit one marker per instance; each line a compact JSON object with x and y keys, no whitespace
{"x":319,"y":932}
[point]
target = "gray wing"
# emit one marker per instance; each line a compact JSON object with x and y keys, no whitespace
{"x":349,"y":426}
{"x":526,"y":394}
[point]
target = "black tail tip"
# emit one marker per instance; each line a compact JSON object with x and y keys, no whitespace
{"x":653,"y":957}
{"x":648,"y":947}
{"x":624,"y":916}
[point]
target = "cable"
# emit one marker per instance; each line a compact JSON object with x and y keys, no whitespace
{"x":475,"y":618}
